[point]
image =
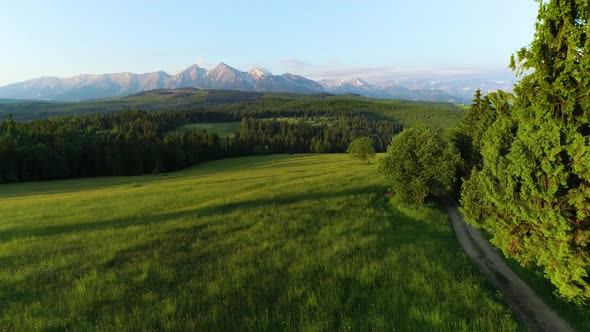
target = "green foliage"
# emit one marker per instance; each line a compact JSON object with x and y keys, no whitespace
{"x":533,"y":191}
{"x":124,"y":143}
{"x":304,"y":136}
{"x":362,"y":149}
{"x":473,"y":125}
{"x":238,"y":104}
{"x":223,"y":129}
{"x":132,"y":142}
{"x":420,"y":162}
{"x":251,"y":244}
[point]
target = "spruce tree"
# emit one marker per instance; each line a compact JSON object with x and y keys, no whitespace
{"x":533,"y":191}
{"x":475,"y":122}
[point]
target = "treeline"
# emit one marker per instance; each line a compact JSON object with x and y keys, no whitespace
{"x":125,"y":143}
{"x":136,"y":142}
{"x":246,"y":104}
{"x":266,"y":136}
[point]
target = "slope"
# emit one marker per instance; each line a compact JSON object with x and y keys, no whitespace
{"x":245,"y":103}
{"x":261,"y":243}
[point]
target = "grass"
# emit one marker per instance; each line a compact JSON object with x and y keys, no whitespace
{"x":223,"y":129}
{"x":304,"y":242}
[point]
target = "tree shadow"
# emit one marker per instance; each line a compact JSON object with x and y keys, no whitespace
{"x":219,"y":209}
{"x":269,"y":285}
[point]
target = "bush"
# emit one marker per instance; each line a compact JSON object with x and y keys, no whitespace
{"x":420,"y":162}
{"x":362,"y":149}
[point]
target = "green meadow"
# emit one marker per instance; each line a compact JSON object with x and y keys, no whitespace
{"x":303,"y":242}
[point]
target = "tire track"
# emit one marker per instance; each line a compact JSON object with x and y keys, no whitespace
{"x":526,"y":304}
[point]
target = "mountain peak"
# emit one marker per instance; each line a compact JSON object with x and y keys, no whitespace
{"x":222,"y":77}
{"x":193,"y":67}
{"x":186,"y":77}
{"x":222,"y":65}
{"x":223,"y":69}
{"x":360,"y":82}
{"x":257,"y":73}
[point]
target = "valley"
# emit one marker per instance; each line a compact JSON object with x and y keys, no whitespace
{"x":358,"y":167}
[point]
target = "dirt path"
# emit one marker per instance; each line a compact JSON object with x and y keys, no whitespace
{"x":529,"y":308}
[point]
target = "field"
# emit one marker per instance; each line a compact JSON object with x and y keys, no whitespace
{"x":304,"y":242}
{"x":223,"y":129}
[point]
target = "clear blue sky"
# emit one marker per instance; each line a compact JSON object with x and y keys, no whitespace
{"x":374,"y":39}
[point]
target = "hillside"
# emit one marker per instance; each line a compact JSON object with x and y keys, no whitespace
{"x":155,"y":100}
{"x":407,"y":112}
{"x":261,"y":243}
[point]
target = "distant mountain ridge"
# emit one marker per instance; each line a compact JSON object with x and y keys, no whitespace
{"x":224,"y":77}
{"x":452,"y":91}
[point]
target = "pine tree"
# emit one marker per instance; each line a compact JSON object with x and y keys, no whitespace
{"x":533,"y":191}
{"x":474,"y":124}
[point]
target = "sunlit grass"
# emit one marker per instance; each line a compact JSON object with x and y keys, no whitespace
{"x":260,"y":243}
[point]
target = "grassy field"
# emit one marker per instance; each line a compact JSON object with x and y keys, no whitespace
{"x":304,"y":242}
{"x":223,"y":129}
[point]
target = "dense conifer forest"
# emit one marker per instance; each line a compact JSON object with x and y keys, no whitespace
{"x":137,"y":142}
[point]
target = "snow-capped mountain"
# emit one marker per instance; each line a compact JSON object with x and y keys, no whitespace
{"x":85,"y":86}
{"x":462,"y":90}
{"x":453,"y":91}
{"x":355,"y":86}
{"x":363,"y":88}
{"x":192,"y":74}
{"x":222,"y":77}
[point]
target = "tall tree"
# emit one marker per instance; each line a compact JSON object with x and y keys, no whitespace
{"x":473,"y":125}
{"x":420,"y":162}
{"x":533,"y":191}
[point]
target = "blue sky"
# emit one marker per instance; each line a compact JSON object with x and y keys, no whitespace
{"x":376,"y":40}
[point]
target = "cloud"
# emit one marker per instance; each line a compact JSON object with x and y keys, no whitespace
{"x":385,"y":73}
{"x":294,"y":64}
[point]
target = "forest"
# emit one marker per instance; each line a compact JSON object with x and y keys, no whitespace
{"x":137,"y":142}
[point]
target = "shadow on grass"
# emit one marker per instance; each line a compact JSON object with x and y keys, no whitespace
{"x":222,"y":166}
{"x":268,"y":281}
{"x":18,"y":233}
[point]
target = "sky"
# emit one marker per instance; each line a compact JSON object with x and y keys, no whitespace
{"x":372,"y":39}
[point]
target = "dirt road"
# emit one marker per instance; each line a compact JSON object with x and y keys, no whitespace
{"x":528,"y":307}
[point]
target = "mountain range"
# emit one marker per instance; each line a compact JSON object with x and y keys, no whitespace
{"x":453,"y":91}
{"x":224,"y":77}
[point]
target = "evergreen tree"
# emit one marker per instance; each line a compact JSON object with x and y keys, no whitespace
{"x":475,"y":122}
{"x":533,"y":190}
